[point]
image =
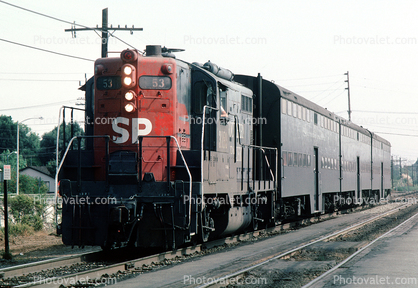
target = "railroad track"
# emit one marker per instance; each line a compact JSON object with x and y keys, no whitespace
{"x":319,"y":278}
{"x":16,"y":275}
{"x":108,"y":273}
{"x":236,"y":276}
{"x":38,"y":274}
{"x":28,"y":268}
{"x":101,"y":275}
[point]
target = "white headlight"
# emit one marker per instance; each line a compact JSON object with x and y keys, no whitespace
{"x":127,"y":81}
{"x":129,"y":107}
{"x":129,"y":95}
{"x":127,"y":70}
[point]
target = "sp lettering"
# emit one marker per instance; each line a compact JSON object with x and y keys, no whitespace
{"x":140,"y":127}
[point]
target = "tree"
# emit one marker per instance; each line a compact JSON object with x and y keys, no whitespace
{"x":7,"y":134}
{"x":49,"y":141}
{"x":48,"y":146}
{"x":29,"y":146}
{"x":10,"y":158}
{"x":28,"y":140}
{"x":30,"y":185}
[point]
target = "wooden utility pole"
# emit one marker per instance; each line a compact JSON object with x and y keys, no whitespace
{"x":105,"y":31}
{"x":105,"y":35}
{"x":348,"y":89}
{"x":416,"y":171}
{"x":400,"y":167}
{"x":391,"y":169}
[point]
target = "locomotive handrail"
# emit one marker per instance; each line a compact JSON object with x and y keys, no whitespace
{"x":58,"y":170}
{"x":62,"y":113}
{"x":202,"y":143}
{"x":262,"y":149}
{"x":168,"y":166}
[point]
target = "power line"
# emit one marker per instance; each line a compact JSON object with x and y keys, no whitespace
{"x":43,"y":80}
{"x":384,"y":81}
{"x":382,"y":112}
{"x":105,"y":32}
{"x":339,"y":81}
{"x":41,"y":14}
{"x":334,"y":98}
{"x":297,"y":79}
{"x":314,"y":84}
{"x":38,"y":73}
{"x":104,"y":29}
{"x":40,"y":105}
{"x":44,"y":50}
{"x":384,"y":89}
{"x":111,"y":34}
{"x":329,"y":94}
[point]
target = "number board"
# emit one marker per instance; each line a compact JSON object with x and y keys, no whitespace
{"x":155,"y":82}
{"x":7,"y":172}
{"x":109,"y":83}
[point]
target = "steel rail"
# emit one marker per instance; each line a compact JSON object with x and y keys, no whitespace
{"x":110,"y":269}
{"x":224,"y":278}
{"x":19,"y":270}
{"x":356,"y":253}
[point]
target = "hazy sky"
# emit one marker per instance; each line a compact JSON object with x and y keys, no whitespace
{"x":305,"y":46}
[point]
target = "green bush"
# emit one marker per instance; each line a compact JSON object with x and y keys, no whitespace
{"x":27,"y":184}
{"x":26,"y":211}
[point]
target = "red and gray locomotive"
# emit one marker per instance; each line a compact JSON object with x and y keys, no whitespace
{"x":176,"y":153}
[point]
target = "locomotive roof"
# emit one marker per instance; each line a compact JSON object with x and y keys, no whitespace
{"x":230,"y":84}
{"x":289,"y":95}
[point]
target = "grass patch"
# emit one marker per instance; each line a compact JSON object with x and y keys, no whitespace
{"x":18,"y":229}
